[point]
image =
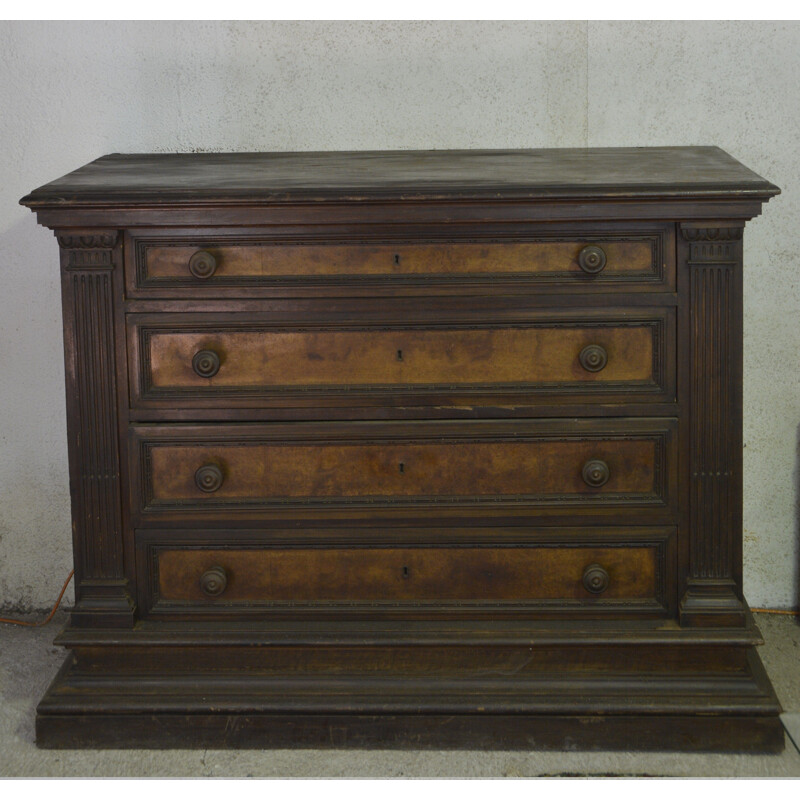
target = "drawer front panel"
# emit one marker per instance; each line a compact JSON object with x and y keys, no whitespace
{"x":236,"y":262}
{"x":283,"y":366}
{"x":397,"y":574}
{"x":531,"y":464}
{"x":561,"y":572}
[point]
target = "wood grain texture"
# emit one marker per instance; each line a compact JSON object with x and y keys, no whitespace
{"x":434,"y":565}
{"x":357,"y":355}
{"x":389,"y":575}
{"x":267,"y":359}
{"x":590,"y":173}
{"x":398,"y":662}
{"x":479,"y":257}
{"x":683,"y":696}
{"x":630,"y":259}
{"x":403,"y":463}
{"x":689,"y":733}
{"x":260,"y":473}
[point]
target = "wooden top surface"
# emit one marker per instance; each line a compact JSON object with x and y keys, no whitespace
{"x":586,"y":173}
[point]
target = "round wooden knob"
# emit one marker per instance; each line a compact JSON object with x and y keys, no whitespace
{"x":202,"y":265}
{"x":213,"y":581}
{"x":595,"y":579}
{"x":208,"y":478}
{"x":592,"y":259}
{"x":595,"y":472}
{"x":593,"y":357}
{"x":205,"y":363}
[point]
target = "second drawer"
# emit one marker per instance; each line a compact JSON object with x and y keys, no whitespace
{"x":207,"y":361}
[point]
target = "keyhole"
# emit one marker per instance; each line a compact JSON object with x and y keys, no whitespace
{"x":405,"y":572}
{"x":397,"y":258}
{"x":399,"y":355}
{"x":402,"y":467}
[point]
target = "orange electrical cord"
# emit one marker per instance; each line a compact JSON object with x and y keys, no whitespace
{"x":49,"y":616}
{"x":775,"y":611}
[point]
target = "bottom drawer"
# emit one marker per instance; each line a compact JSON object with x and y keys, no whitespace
{"x":571,"y":571}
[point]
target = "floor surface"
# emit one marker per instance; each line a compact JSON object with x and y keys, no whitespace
{"x":28,"y":662}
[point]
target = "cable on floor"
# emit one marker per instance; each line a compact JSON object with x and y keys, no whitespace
{"x":775,"y":611}
{"x":49,"y":616}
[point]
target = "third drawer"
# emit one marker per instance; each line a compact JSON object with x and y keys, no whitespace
{"x":603,"y":468}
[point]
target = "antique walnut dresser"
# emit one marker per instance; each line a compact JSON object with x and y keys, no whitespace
{"x":421,"y":449}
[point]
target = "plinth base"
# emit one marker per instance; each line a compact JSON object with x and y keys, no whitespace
{"x":658,"y":689}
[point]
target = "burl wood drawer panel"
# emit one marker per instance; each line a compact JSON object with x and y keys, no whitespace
{"x":210,"y":361}
{"x":560,"y":571}
{"x":257,"y":469}
{"x":238,"y":262}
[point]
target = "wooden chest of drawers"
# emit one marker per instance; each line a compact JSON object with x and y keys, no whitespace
{"x":407,"y":449}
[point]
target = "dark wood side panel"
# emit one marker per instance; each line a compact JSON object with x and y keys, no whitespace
{"x":712,"y":257}
{"x":90,"y":283}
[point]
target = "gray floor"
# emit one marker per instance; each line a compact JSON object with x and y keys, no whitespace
{"x":28,"y":662}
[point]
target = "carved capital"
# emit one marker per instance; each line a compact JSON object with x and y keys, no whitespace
{"x":88,"y":241}
{"x":712,"y":246}
{"x":88,"y":249}
{"x":693,"y":234}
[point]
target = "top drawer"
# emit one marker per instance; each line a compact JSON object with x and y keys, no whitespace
{"x":229,"y":263}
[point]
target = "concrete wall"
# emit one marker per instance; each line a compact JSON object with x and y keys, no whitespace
{"x":70,"y":92}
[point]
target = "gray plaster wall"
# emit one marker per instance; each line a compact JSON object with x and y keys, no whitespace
{"x":70,"y":92}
